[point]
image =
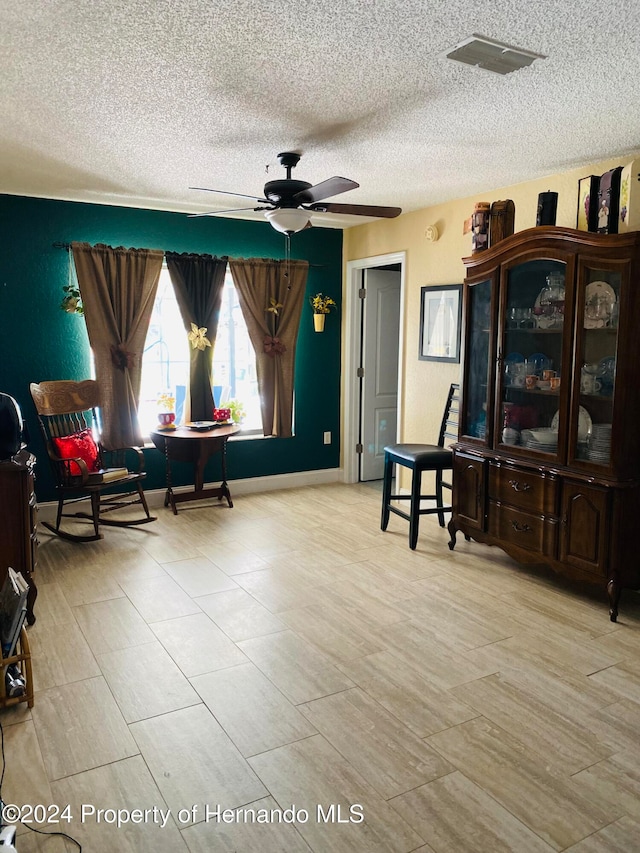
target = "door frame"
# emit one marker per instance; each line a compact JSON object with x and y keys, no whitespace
{"x":351,"y":351}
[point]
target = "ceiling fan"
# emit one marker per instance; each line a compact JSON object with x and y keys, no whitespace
{"x":291,"y":202}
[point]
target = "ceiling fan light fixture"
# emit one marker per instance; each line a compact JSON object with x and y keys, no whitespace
{"x":289,"y":220}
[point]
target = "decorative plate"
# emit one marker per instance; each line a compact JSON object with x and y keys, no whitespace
{"x":541,"y":361}
{"x":598,"y":290}
{"x":515,"y":358}
{"x":584,"y":423}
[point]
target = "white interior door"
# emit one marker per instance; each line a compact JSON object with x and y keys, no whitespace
{"x":380,"y":353}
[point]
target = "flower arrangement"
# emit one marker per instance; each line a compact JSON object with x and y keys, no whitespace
{"x":321,"y":304}
{"x":237,"y":410}
{"x":274,"y":306}
{"x":72,"y":301}
{"x":166,"y":402}
{"x":273,"y":346}
{"x":197,"y":337}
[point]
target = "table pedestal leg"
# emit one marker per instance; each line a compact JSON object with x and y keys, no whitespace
{"x":198,"y":452}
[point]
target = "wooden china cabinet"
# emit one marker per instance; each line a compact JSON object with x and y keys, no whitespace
{"x":547,"y":465}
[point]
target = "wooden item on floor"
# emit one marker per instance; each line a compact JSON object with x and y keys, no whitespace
{"x":22,"y":659}
{"x":419,"y":458}
{"x":550,"y":471}
{"x":18,"y":521}
{"x":67,"y":413}
{"x":195,"y":446}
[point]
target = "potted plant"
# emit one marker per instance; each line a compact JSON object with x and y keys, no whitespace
{"x":72,"y":301}
{"x":166,"y":409}
{"x":321,"y":305}
{"x":237,"y":410}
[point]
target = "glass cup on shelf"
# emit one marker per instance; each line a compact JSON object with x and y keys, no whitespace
{"x":598,"y":310}
{"x":514,"y":373}
{"x":526,"y":318}
{"x":513,"y":318}
{"x":615,"y":313}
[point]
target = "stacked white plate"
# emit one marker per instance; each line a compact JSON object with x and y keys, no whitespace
{"x":600,"y":443}
{"x":545,"y":440}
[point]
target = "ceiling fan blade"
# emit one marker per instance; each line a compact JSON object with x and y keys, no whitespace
{"x":325,"y":189}
{"x":357,"y":209}
{"x":226,"y":192}
{"x":231,"y":210}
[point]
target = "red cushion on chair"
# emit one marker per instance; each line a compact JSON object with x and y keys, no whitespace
{"x":80,"y":445}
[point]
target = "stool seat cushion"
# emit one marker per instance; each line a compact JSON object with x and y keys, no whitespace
{"x":420,"y":455}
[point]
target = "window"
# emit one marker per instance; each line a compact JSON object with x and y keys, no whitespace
{"x":165,"y":362}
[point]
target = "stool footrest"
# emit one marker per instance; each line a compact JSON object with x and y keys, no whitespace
{"x":397,"y":511}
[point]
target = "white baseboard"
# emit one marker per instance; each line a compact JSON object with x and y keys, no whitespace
{"x":250,"y":485}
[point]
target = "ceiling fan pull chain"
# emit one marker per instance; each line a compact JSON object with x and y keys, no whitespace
{"x":287,"y":255}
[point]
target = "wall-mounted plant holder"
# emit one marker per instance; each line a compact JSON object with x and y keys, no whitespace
{"x":321,"y":305}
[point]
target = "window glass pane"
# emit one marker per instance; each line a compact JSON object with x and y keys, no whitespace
{"x":533,"y":356}
{"x":165,"y":364}
{"x":598,"y":350}
{"x":477,"y":364}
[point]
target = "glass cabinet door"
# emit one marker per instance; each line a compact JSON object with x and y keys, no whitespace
{"x":477,"y":375}
{"x":533,"y":331}
{"x":597,"y":344}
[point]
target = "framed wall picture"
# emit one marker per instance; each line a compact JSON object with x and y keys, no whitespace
{"x":440,"y":321}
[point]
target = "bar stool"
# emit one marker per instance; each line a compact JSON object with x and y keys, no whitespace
{"x":419,"y":458}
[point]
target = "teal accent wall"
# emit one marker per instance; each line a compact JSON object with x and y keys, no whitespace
{"x":41,"y":342}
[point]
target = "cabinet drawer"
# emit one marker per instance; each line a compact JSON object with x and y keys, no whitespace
{"x":524,"y":529}
{"x":528,"y":490}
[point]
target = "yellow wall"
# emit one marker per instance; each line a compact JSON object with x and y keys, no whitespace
{"x":425,"y":383}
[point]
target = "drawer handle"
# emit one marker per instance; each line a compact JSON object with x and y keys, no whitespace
{"x":515,"y":485}
{"x":521,"y":528}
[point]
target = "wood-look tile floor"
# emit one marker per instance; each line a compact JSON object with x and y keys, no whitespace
{"x":285,"y":658}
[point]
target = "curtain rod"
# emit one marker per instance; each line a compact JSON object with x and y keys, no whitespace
{"x":59,"y":245}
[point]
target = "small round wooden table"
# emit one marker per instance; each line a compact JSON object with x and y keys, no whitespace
{"x":195,"y":446}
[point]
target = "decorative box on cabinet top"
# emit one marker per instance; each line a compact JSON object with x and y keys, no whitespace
{"x":629,"y":214}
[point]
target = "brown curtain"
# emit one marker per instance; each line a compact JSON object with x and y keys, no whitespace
{"x":118,"y":288}
{"x":277,"y":285}
{"x":198,"y":281}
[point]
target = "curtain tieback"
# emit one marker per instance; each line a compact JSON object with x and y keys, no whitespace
{"x":273,"y":346}
{"x":122,"y":358}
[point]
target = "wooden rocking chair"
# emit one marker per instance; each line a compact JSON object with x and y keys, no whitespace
{"x":67,"y":413}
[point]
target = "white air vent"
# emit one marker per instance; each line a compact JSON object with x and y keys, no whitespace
{"x":491,"y":55}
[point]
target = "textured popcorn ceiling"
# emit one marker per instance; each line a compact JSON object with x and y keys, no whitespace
{"x":132,"y":102}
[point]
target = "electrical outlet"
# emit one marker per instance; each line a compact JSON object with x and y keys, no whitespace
{"x":327,"y":437}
